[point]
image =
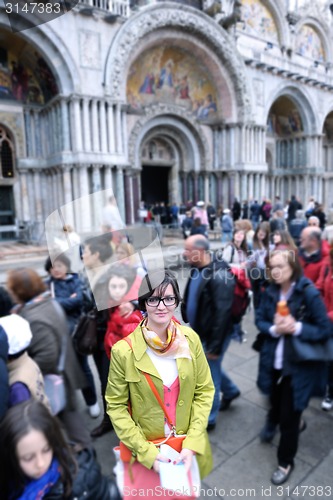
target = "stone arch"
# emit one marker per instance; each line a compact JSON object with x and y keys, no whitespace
{"x":184,"y":19}
{"x":175,"y":124}
{"x":321,"y":31}
{"x":56,"y":54}
{"x":278,"y":13}
{"x":304,"y":105}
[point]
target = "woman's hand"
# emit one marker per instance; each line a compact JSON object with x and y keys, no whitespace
{"x":126,"y":309}
{"x":160,"y":458}
{"x":186,"y":457}
{"x":284,"y":324}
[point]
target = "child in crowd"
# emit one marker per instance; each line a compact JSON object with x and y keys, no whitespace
{"x":36,"y":462}
{"x":123,"y":286}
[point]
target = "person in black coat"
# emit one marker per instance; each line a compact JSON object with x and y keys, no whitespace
{"x":66,"y":288}
{"x":294,"y":205}
{"x":206,"y":306}
{"x":236,"y":210}
{"x":54,"y":471}
{"x":4,"y":387}
{"x":289,"y":384}
{"x":6,"y":305}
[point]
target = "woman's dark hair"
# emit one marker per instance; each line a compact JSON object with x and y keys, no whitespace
{"x":100,"y":244}
{"x":286,"y":238}
{"x":61,"y":258}
{"x":243,"y":245}
{"x":17,"y":423}
{"x":6,"y":302}
{"x":169,"y":279}
{"x":121,"y":271}
{"x":25,"y":284}
{"x":263,"y":226}
{"x":292,"y":259}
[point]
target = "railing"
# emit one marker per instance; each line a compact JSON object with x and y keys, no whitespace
{"x":31,"y":232}
{"x":116,"y":7}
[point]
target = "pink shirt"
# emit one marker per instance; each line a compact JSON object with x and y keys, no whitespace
{"x":170,"y":400}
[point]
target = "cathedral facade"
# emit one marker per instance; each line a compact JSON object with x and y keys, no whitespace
{"x":165,"y":101}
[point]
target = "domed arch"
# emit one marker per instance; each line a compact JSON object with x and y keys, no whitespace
{"x":141,"y":27}
{"x":303,"y":103}
{"x":46,"y":42}
{"x":278,"y":13}
{"x":302,"y":47}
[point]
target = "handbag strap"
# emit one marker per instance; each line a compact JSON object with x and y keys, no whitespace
{"x":155,"y":392}
{"x":64,"y":340}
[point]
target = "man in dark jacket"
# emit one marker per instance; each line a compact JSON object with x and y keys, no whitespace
{"x":294,"y":205}
{"x":255,"y":214}
{"x":207,"y":307}
{"x":4,"y":387}
{"x":236,"y":210}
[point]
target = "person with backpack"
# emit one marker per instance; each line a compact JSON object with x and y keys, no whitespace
{"x":206,"y":306}
{"x":235,"y":254}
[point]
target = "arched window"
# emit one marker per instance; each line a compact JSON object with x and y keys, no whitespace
{"x":6,"y":155}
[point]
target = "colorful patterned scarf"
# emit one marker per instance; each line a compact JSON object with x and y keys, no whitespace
{"x":176,"y":345}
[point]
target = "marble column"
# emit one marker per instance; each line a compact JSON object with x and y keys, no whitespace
{"x":124,"y":133}
{"x":206,"y":187}
{"x":77,"y":124}
{"x":95,"y":126}
{"x":195,"y":188}
{"x":120,"y":196}
{"x":27,"y":121}
{"x":119,"y":129}
{"x":244,"y":187}
{"x":38,"y":196}
{"x":231,"y":182}
{"x":108,"y":177}
{"x":128,"y":191}
{"x":65,"y":133}
{"x":84,"y":208}
{"x":110,"y":120}
{"x":102,"y":127}
{"x":86,"y":126}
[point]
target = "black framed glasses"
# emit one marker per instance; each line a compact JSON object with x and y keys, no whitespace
{"x":167,"y":301}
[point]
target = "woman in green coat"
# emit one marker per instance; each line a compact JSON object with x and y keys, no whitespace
{"x":173,"y":357}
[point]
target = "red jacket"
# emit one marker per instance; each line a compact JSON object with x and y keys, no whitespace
{"x":243,"y":284}
{"x":313,"y":264}
{"x":119,"y":327}
{"x":325,"y":286}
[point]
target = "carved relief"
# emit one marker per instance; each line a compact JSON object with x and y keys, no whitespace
{"x":90,"y":50}
{"x":186,"y":20}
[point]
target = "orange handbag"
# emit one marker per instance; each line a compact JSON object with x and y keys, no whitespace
{"x":173,"y":440}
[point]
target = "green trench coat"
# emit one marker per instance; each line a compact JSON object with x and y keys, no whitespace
{"x":126,"y":381}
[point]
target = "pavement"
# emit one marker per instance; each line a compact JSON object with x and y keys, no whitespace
{"x":242,"y":464}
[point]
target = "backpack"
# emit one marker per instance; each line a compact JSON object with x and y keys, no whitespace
{"x":241,"y":296}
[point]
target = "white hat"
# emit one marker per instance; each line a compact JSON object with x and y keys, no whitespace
{"x":18,"y":332}
{"x":200,"y":203}
{"x":226,"y":211}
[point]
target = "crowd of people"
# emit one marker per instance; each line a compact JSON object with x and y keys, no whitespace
{"x":273,"y":253}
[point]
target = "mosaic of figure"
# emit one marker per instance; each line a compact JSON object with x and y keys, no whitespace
{"x":285,"y":125}
{"x":172,"y":75}
{"x":257,"y":20}
{"x":309,"y":44}
{"x":33,"y":83}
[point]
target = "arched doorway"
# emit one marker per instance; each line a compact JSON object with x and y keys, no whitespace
{"x":7,"y":207}
{"x":157,"y":161}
